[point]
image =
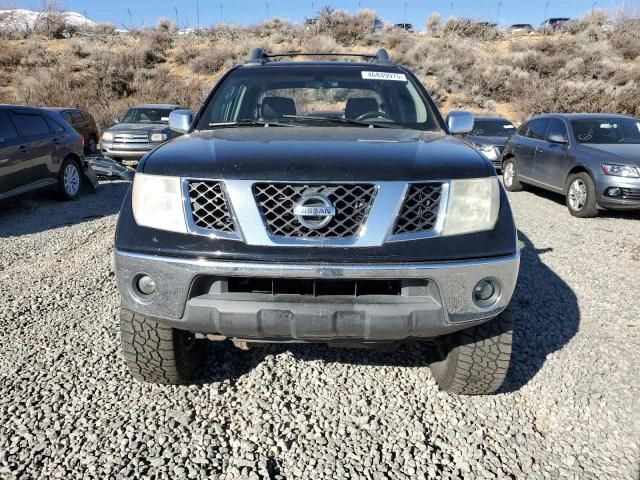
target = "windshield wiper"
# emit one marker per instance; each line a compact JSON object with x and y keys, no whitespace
{"x":248,"y":123}
{"x":336,"y":119}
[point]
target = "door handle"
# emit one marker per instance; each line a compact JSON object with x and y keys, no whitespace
{"x":518,"y":146}
{"x":22,"y":149}
{"x":539,"y":150}
{"x":56,"y":141}
{"x":4,"y":160}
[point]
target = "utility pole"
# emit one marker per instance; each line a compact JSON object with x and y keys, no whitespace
{"x":198,"y":16}
{"x":221,"y":21}
{"x":404,"y":18}
{"x":546,"y":10}
{"x":130,"y":19}
{"x":498,"y":15}
{"x":593,"y":7}
{"x":177,"y":22}
{"x":451,"y":10}
{"x":267,"y":10}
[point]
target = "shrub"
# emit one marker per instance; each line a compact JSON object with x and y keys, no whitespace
{"x":211,"y":60}
{"x":321,"y":44}
{"x":434,"y":24}
{"x":79,"y":50}
{"x":37,"y":56}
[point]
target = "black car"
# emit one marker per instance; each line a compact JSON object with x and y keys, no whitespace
{"x":317,"y":202}
{"x":39,"y":150}
{"x":592,"y":159}
{"x":489,"y":136}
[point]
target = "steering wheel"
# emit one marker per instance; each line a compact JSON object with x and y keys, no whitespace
{"x":374,"y":114}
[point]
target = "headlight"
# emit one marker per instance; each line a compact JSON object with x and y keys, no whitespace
{"x":620,"y":170}
{"x":158,"y":137}
{"x":488,"y":151}
{"x":473,"y":206}
{"x":157,"y":202}
{"x":107,"y":137}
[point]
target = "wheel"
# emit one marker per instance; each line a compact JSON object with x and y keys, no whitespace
{"x":69,"y":180}
{"x":156,"y":353}
{"x":475,"y":361}
{"x":92,"y":145}
{"x":510,"y":176}
{"x":581,"y":196}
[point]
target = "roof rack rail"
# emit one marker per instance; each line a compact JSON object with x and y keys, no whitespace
{"x":259,"y":56}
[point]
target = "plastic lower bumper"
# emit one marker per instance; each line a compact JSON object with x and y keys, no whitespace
{"x":443,"y":305}
{"x":618,"y":193}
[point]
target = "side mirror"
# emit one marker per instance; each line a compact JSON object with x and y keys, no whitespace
{"x":115,"y":120}
{"x":460,"y":121}
{"x":557,"y":138}
{"x":180,"y":120}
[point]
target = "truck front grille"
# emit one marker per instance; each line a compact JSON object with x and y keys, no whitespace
{"x":277,"y":201}
{"x":131,"y":139}
{"x":419,"y":212}
{"x":210,"y":207}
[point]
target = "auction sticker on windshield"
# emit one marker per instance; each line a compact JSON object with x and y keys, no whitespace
{"x":400,"y":77}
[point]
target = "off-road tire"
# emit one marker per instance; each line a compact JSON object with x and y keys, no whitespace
{"x":156,"y":353}
{"x":475,"y":361}
{"x":590,"y":208}
{"x":516,"y":185}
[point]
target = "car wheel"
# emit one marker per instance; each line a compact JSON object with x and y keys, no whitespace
{"x":475,"y":361}
{"x":581,"y":196}
{"x":69,"y":180}
{"x":156,"y":353}
{"x":510,"y":176}
{"x":92,"y":145}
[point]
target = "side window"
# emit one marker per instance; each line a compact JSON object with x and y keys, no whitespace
{"x":67,"y":117}
{"x":76,"y":117}
{"x":7,"y":130}
{"x":54,"y":126}
{"x":31,"y":124}
{"x":557,"y":127}
{"x":538,"y":128}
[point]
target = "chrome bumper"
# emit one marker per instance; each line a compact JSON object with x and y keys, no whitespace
{"x":454,"y":283}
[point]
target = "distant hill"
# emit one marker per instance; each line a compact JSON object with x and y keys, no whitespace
{"x":27,"y":20}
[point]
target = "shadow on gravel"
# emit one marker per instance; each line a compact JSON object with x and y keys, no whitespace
{"x":42,"y":212}
{"x":560,"y":200}
{"x":546,"y":316}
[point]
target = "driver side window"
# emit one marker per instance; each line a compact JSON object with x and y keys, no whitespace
{"x":557,"y":128}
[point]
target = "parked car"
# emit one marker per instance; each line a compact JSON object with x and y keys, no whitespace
{"x":267,"y":224}
{"x":520,"y":29}
{"x":489,"y":136}
{"x":39,"y":150}
{"x":592,"y":159}
{"x":83,"y":123}
{"x":142,"y":129}
{"x":551,"y":25}
{"x":407,"y":27}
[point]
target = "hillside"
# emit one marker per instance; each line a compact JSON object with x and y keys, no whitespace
{"x":591,"y":68}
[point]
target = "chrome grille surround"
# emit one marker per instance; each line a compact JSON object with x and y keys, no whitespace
{"x":131,"y":138}
{"x":352,"y":202}
{"x":208,"y":210}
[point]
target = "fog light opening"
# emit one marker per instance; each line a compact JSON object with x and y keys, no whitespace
{"x":486,"y":292}
{"x":614,"y":192}
{"x":145,"y":285}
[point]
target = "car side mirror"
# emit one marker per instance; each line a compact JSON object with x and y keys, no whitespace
{"x":557,"y":138}
{"x":180,"y":120}
{"x":460,"y":121}
{"x":115,"y":120}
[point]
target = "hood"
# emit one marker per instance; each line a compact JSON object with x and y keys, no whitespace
{"x":139,"y":128}
{"x":317,"y":153}
{"x":493,"y":141}
{"x":628,"y":154}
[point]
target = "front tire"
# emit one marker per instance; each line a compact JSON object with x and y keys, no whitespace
{"x":69,"y":180}
{"x":475,"y":361}
{"x":581,"y":196}
{"x":510,"y":176}
{"x":156,"y":353}
{"x":92,"y":145}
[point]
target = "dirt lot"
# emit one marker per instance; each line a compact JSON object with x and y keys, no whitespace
{"x":69,"y":409}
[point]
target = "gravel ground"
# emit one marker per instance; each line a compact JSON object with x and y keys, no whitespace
{"x":69,"y":409}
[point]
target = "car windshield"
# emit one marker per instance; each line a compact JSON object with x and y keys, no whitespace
{"x":312,"y":95}
{"x":492,"y":128}
{"x":606,"y":130}
{"x":147,"y":115}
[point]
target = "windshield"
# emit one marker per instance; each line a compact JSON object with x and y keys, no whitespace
{"x":606,"y":130}
{"x":492,"y":128}
{"x":309,"y":95}
{"x":147,"y":115}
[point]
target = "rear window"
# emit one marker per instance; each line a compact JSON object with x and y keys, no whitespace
{"x":7,"y":130}
{"x":492,"y":128}
{"x":77,"y":117}
{"x":31,"y":124}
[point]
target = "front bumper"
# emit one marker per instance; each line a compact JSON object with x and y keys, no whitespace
{"x":123,"y":151}
{"x":445,"y":305}
{"x":629,"y":197}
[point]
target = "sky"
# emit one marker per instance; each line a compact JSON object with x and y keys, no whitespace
{"x":147,"y":12}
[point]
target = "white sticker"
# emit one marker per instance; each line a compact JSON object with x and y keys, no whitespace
{"x":398,"y":77}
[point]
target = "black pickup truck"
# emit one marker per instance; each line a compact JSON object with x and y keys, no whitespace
{"x":318,"y":201}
